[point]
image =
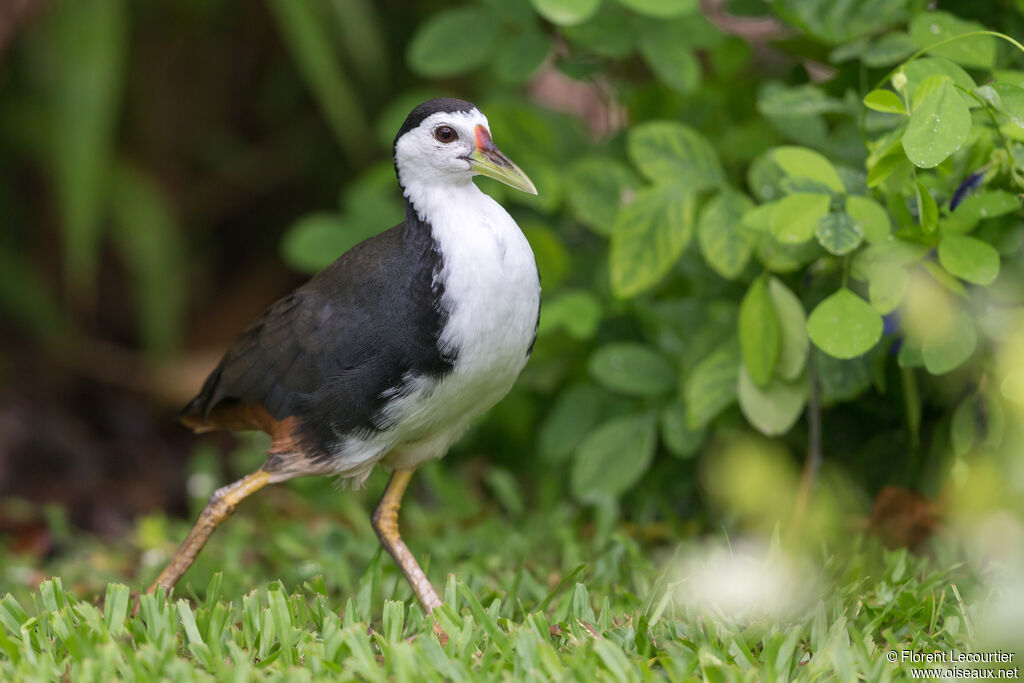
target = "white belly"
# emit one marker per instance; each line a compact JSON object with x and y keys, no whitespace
{"x":492,"y":295}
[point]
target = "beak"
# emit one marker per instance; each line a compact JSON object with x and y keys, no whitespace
{"x":488,"y":160}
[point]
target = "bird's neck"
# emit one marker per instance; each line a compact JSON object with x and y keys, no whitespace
{"x":433,"y":202}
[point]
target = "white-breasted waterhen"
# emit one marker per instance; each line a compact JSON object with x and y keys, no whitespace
{"x":388,"y":354}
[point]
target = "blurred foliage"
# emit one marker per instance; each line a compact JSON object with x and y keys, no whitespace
{"x":734,"y":234}
{"x":752,"y":233}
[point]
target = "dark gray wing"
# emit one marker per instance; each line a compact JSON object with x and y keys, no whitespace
{"x":328,"y":351}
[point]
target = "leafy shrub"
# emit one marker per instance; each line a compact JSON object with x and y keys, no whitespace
{"x":751,"y":241}
{"x":752,"y":231}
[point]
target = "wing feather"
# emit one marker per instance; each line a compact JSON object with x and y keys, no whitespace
{"x":327,"y":352}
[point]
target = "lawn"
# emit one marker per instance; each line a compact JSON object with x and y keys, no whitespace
{"x":295,"y":587}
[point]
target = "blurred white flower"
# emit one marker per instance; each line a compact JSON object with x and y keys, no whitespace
{"x":1000,"y":618}
{"x":745,"y":582}
{"x":996,"y":540}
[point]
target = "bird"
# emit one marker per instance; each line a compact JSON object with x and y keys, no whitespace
{"x":387,"y":355}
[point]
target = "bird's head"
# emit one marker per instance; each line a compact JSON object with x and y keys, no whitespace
{"x":448,"y":141}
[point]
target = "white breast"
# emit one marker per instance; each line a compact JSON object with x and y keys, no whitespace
{"x":492,"y":293}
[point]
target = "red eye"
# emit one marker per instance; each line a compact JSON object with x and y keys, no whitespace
{"x":445,"y":134}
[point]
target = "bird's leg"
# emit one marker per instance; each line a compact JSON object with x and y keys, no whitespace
{"x":222,"y":503}
{"x":385,"y":523}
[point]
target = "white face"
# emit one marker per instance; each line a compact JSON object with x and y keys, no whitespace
{"x":439,"y":149}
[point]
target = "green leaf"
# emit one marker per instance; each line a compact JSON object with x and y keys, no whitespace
{"x":609,"y":33}
{"x":548,"y":250}
{"x":1012,"y":386}
{"x":869,"y":215}
{"x":711,"y":386}
{"x":793,"y":185}
{"x":885,"y":167}
{"x":839,"y":233}
{"x":680,"y":440}
{"x":613,"y":458}
{"x":564,"y":12}
{"x":1010,"y":76}
{"x":371,"y":205}
{"x":839,"y":22}
{"x":650,"y":234}
{"x":519,"y":13}
{"x":575,"y":412}
{"x":484,"y":619}
{"x":939,"y":123}
{"x":576,"y":311}
{"x":115,"y":607}
{"x":797,"y":101}
{"x":890,"y":49}
{"x":842,"y":380}
{"x":317,"y":239}
{"x":371,"y":202}
{"x":927,"y":209}
{"x":943,"y":353}
{"x":909,"y":356}
{"x":1011,"y":101}
{"x":805,"y":130}
{"x":519,"y":56}
{"x":759,"y":218}
{"x":356,"y":29}
{"x":725,"y":242}
{"x":149,"y":241}
{"x":87,"y":42}
{"x":786,"y":258}
{"x":885,"y":101}
{"x":660,"y":9}
{"x":969,"y":259}
{"x":759,"y":332}
{"x":595,"y":190}
{"x":632,"y":369}
{"x":942,"y":276}
{"x":844,"y":325}
{"x":916,"y":71}
{"x":310,"y":44}
{"x":673,"y":64}
{"x":888,"y":254}
{"x":28,"y":302}
{"x":886,"y":287}
{"x":792,"y":330}
{"x":774,"y":408}
{"x":930,"y":28}
{"x":796,"y":216}
{"x":390,"y":118}
{"x":457,"y":41}
{"x":764,"y":177}
{"x":979,"y":207}
{"x":12,"y":614}
{"x":547,"y":176}
{"x":962,"y":433}
{"x":666,"y":151}
{"x":801,"y":162}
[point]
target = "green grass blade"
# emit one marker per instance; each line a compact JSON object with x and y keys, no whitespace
{"x":305,"y":35}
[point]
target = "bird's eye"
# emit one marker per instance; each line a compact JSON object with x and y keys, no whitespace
{"x":445,"y":134}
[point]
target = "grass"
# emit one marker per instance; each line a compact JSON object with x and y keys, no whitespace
{"x":296,"y":588}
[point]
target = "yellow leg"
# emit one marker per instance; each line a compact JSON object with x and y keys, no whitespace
{"x":385,"y":523}
{"x":222,"y":503}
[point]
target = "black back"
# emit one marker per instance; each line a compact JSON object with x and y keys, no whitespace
{"x":329,"y":351}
